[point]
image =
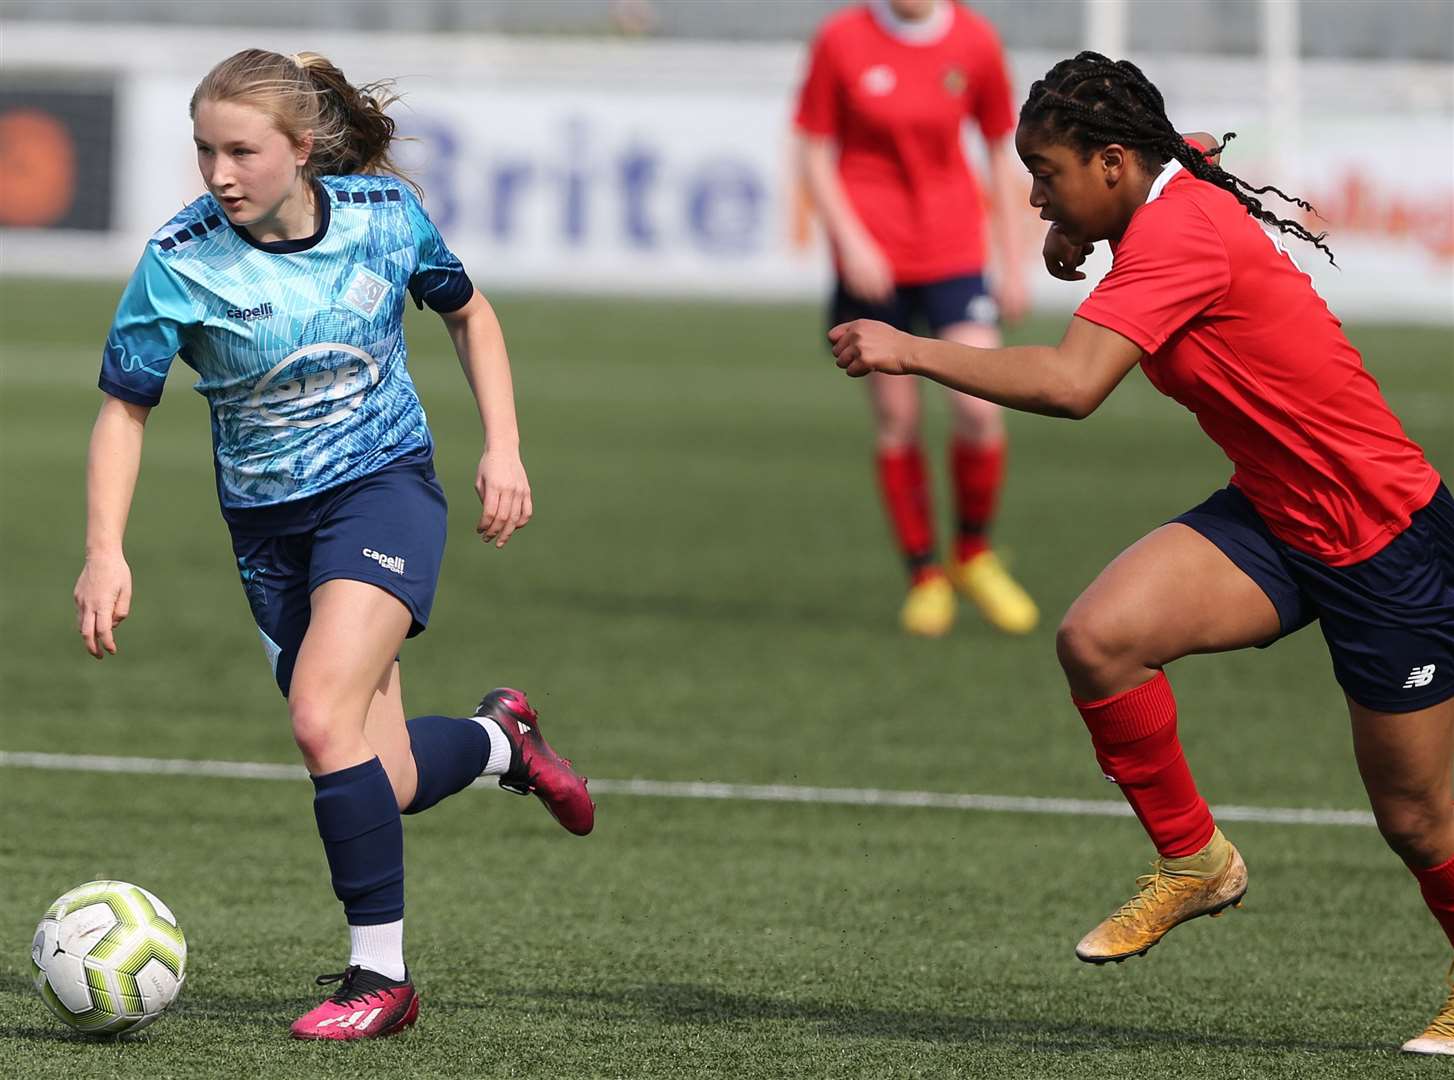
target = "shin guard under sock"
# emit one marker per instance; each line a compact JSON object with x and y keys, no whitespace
{"x":363,"y":837}
{"x":1437,"y":885}
{"x":904,"y":484}
{"x":1134,"y":735}
{"x":449,"y":755}
{"x":975,"y":473}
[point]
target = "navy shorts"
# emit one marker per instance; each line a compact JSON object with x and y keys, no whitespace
{"x":386,"y":528}
{"x":934,"y":305}
{"x":1388,"y":620}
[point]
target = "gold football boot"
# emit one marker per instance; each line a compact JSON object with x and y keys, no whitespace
{"x":1207,"y":883}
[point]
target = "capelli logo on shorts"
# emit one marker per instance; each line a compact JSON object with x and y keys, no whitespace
{"x":393,"y":563}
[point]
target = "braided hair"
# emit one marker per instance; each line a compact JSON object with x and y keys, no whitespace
{"x":1092,"y":101}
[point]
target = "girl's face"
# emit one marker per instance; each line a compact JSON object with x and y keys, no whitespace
{"x":251,"y":168}
{"x":1090,"y":200}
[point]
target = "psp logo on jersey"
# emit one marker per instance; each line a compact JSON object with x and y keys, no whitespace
{"x":365,"y":293}
{"x":315,"y":386}
{"x":1419,"y":677}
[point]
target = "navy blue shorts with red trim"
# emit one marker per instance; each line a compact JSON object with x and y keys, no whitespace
{"x":1388,"y":620}
{"x":387,"y":529}
{"x":933,"y":305}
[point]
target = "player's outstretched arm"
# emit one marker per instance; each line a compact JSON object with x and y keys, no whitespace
{"x":1068,"y":380}
{"x":500,"y":480}
{"x":103,"y":591}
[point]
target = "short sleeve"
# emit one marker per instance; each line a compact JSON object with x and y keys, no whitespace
{"x":154,"y":312}
{"x":1169,"y":268}
{"x":818,"y":101}
{"x":990,"y":100}
{"x":439,"y":278}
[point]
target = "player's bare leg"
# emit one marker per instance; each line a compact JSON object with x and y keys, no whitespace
{"x":1405,"y":759}
{"x":1172,"y":594}
{"x":977,"y":456}
{"x":354,"y":634}
{"x":904,"y":483}
{"x":386,"y":730}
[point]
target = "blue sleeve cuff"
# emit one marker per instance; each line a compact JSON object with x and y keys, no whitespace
{"x":126,"y":393}
{"x":451,"y":294}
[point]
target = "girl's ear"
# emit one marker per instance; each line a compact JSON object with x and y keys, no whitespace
{"x":304,"y":148}
{"x":1113,"y":163}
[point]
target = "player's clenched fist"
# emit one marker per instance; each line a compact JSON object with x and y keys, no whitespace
{"x":863,"y":345}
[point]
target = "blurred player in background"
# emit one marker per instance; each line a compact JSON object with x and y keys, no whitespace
{"x":881,"y":118}
{"x":1333,"y":513}
{"x":284,"y":288}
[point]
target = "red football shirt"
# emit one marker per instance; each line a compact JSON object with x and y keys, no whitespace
{"x":896,"y":102}
{"x":1234,"y":331}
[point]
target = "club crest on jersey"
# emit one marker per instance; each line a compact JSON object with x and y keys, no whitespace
{"x":365,"y":293}
{"x":955,"y":82}
{"x":878,"y":81}
{"x":315,"y":386}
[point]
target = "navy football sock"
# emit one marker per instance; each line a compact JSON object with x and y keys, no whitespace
{"x":363,"y":837}
{"x":449,"y":755}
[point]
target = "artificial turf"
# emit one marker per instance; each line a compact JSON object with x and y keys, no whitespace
{"x":707,"y":593}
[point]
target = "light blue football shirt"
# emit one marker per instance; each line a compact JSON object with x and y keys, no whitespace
{"x":298,"y":344}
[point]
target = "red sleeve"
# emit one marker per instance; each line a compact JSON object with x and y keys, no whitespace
{"x":818,"y":101}
{"x":1169,"y":268}
{"x":989,"y":99}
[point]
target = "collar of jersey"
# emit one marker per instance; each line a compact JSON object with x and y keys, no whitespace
{"x":913,"y":32}
{"x":1159,"y":184}
{"x":292,"y":247}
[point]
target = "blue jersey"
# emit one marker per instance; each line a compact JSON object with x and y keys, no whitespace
{"x":298,"y":344}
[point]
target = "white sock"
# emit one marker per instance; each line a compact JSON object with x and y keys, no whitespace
{"x":499,"y":762}
{"x":379,"y":948}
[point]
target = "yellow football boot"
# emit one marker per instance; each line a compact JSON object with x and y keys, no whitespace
{"x":928,"y":610}
{"x":1438,"y":1037}
{"x":1206,"y":883}
{"x":1000,"y":599}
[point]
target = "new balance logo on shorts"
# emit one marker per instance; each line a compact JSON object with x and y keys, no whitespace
{"x":1420,"y":676}
{"x":394,"y":563}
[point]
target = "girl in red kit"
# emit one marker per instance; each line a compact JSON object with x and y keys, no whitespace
{"x":881,"y":115}
{"x":1332,"y":514}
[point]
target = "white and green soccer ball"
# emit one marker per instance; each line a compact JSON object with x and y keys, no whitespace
{"x":108,"y":957}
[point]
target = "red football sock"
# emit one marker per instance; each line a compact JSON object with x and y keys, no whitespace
{"x":976,"y":472}
{"x":1437,"y":885}
{"x":904,"y":484}
{"x":1134,"y":735}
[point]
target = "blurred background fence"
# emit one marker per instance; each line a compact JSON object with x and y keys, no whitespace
{"x":644,"y":146}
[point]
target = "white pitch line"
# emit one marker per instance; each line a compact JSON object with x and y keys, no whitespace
{"x":696,"y":789}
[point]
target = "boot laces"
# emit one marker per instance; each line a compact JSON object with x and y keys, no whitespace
{"x":1153,"y":888}
{"x":346,"y":992}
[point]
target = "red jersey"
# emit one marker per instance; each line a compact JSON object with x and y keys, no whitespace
{"x":894,"y":96}
{"x":1234,"y":331}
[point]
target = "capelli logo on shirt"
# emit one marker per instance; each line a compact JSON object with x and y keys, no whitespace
{"x":263,"y":311}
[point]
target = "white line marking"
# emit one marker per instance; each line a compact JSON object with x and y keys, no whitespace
{"x":696,"y":789}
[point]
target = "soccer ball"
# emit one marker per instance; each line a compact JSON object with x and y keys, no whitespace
{"x":108,"y":957}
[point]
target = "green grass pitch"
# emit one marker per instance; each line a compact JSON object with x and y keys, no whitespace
{"x":707,"y":593}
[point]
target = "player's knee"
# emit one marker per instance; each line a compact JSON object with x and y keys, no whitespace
{"x":1094,"y":649}
{"x":1418,"y":831}
{"x":315,"y":729}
